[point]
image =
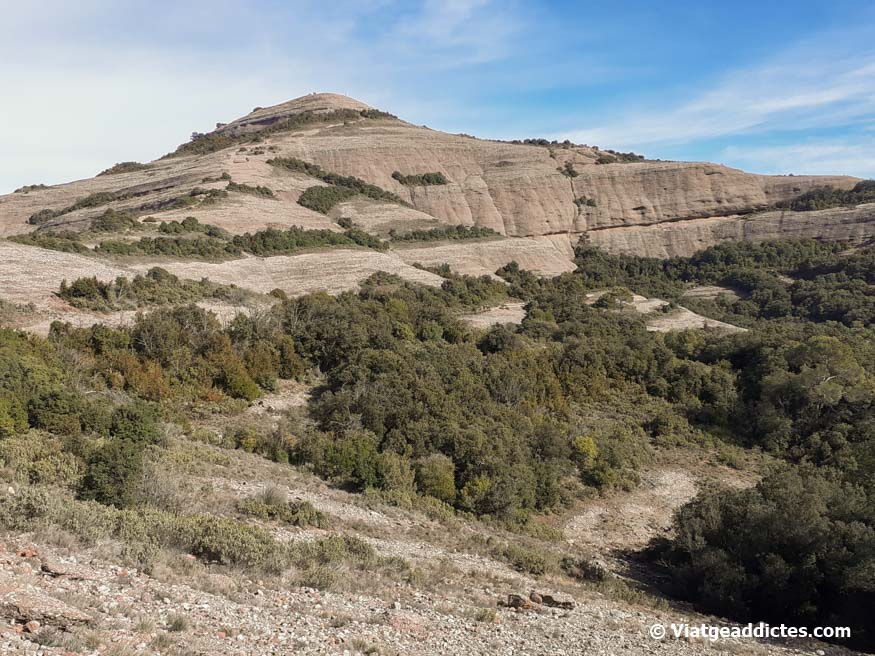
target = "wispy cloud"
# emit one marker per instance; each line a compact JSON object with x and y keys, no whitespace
{"x":820,"y":83}
{"x":820,"y":157}
{"x":86,"y":89}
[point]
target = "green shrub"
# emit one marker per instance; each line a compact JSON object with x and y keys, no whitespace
{"x":40,"y":458}
{"x":524,"y":559}
{"x":263,"y":192}
{"x":798,"y":548}
{"x":157,"y":287}
{"x":124,"y":167}
{"x":229,"y":542}
{"x":420,"y":179}
{"x":28,"y":188}
{"x":66,"y":242}
{"x":296,"y":513}
{"x":435,"y":477}
{"x":568,"y":170}
{"x":449,"y":232}
{"x":113,"y":221}
{"x":112,"y":474}
{"x":826,"y":197}
{"x":322,"y":199}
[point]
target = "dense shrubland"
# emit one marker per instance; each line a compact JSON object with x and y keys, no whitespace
{"x":826,"y":197}
{"x":800,"y":547}
{"x":517,"y":420}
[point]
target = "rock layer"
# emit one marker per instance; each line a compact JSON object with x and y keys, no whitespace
{"x":650,"y":208}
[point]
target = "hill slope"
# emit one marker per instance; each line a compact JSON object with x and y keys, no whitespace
{"x":518,"y":190}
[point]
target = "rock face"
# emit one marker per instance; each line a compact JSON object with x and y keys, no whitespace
{"x":683,"y":238}
{"x":521,"y":191}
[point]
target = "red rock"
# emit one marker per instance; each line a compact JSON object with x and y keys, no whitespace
{"x":26,"y":553}
{"x":32,"y":626}
{"x":222,"y":635}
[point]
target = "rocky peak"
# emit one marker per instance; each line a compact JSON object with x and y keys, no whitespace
{"x":316,"y":103}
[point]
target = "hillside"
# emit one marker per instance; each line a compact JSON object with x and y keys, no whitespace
{"x":518,"y":190}
{"x":322,"y":381}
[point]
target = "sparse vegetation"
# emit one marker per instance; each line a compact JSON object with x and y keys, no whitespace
{"x":263,"y":192}
{"x":124,"y":167}
{"x":202,"y":144}
{"x":157,"y":287}
{"x":608,"y":156}
{"x":296,"y":513}
{"x":342,"y":187}
{"x":568,"y":170}
{"x":28,"y":188}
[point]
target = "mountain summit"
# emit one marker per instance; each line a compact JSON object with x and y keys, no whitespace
{"x":315,"y":103}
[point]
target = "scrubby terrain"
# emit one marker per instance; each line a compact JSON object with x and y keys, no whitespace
{"x":322,"y":381}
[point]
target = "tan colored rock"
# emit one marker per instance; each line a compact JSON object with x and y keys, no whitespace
{"x":517,"y":190}
{"x":683,"y":238}
{"x":27,"y":603}
{"x":545,"y":256}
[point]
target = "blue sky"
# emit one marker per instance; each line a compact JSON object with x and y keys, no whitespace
{"x":771,"y":87}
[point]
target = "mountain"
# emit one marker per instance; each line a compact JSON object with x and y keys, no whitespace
{"x":216,"y":452}
{"x":530,"y":202}
{"x":652,"y":208}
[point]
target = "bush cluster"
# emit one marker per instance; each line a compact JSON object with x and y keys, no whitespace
{"x":420,"y":179}
{"x":263,"y":192}
{"x":124,"y":167}
{"x":446,"y":233}
{"x":202,"y":144}
{"x":341,"y":187}
{"x":156,"y":287}
{"x":826,"y":197}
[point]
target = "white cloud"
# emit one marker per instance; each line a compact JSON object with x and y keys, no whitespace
{"x":88,"y":84}
{"x":819,"y":83}
{"x":813,"y":158}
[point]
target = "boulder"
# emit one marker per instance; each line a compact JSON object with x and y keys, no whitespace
{"x":558,"y":601}
{"x":28,"y":604}
{"x":519,"y":602}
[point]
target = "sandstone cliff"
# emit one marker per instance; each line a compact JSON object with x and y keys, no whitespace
{"x":649,"y":207}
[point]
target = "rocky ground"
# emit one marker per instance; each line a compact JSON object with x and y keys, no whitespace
{"x":59,"y":598}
